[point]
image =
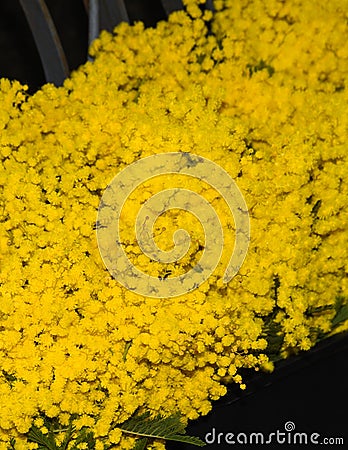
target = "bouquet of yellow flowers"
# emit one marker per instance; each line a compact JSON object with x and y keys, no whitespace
{"x":252,"y":91}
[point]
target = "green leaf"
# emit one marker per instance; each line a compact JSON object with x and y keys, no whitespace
{"x":45,"y":441}
{"x":260,"y":66}
{"x":274,"y":335}
{"x":8,"y":377}
{"x":85,"y":436}
{"x":126,"y":350}
{"x":341,"y":312}
{"x":341,"y":315}
{"x":12,"y":444}
{"x":141,"y":444}
{"x":168,"y":428}
{"x":68,"y":437}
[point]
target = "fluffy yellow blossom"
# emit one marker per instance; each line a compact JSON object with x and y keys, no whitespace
{"x":258,"y":88}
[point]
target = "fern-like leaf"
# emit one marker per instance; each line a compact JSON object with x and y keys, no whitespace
{"x":68,"y":437}
{"x":45,"y":441}
{"x":167,"y":428}
{"x":141,"y":444}
{"x":341,"y":312}
{"x":85,"y":436}
{"x":12,"y":444}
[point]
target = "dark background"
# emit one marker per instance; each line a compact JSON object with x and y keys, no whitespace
{"x":309,"y":390}
{"x":19,"y":58}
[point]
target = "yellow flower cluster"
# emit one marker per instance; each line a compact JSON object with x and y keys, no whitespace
{"x":258,"y":88}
